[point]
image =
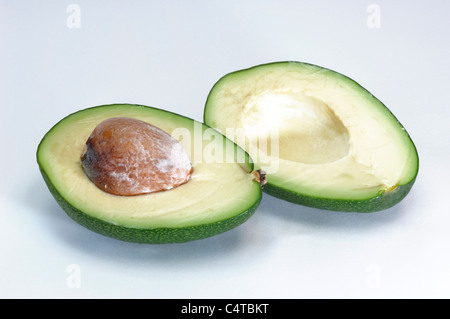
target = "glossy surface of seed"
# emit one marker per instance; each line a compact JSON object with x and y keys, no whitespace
{"x":126,"y":156}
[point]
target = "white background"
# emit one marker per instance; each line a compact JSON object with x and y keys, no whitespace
{"x":168,"y":54}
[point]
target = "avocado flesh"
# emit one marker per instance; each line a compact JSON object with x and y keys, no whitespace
{"x":218,"y":197}
{"x":323,"y":140}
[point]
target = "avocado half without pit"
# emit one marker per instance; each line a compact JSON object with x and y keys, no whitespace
{"x":322,"y":139}
{"x":146,"y":175}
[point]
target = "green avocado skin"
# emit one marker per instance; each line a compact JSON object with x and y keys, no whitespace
{"x":381,"y":202}
{"x":149,"y":236}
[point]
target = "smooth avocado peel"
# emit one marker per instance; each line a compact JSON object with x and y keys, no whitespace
{"x":146,"y":175}
{"x":323,"y":140}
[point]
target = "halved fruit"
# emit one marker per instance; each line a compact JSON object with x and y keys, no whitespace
{"x":323,"y":140}
{"x":221,"y":192}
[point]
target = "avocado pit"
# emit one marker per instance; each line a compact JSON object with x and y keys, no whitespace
{"x":127,"y":157}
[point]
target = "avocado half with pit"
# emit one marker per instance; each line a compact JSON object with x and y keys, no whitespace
{"x":323,"y":140}
{"x":146,"y":175}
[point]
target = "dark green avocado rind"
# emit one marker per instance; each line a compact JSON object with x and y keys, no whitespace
{"x":149,"y":236}
{"x":383,"y":201}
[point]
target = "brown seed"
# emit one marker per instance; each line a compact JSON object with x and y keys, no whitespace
{"x":125,"y":156}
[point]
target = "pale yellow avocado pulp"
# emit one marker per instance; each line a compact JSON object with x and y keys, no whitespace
{"x":316,"y":132}
{"x":216,"y":190}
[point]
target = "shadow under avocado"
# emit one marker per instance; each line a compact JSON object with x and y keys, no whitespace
{"x":339,"y":221}
{"x":86,"y":241}
{"x":218,"y":247}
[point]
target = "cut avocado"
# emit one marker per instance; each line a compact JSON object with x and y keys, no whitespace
{"x":222,"y":192}
{"x":324,"y":140}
